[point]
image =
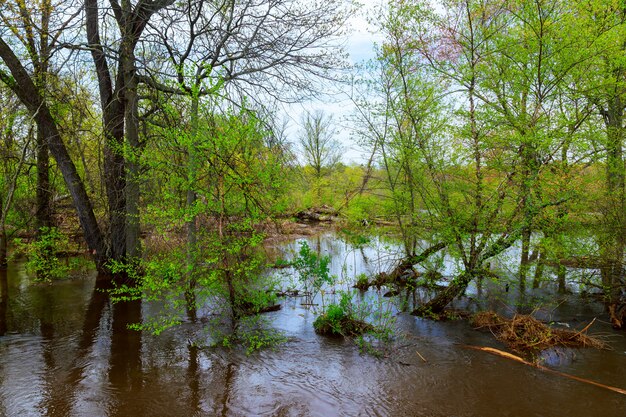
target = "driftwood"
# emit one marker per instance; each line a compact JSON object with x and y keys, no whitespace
{"x":515,"y":358}
{"x":317,"y":214}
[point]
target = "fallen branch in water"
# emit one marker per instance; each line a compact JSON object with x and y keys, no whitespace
{"x":507,"y":355}
{"x":524,"y":333}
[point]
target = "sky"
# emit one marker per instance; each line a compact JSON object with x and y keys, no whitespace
{"x":360,"y":48}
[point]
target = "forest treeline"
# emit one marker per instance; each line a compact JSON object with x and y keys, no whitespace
{"x":486,"y":124}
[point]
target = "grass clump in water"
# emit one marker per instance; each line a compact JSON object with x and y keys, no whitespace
{"x":338,"y":321}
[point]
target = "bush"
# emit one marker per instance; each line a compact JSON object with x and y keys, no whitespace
{"x":313,"y":271}
{"x":338,"y":322}
{"x":42,"y":255}
{"x":362,"y":282}
{"x":341,"y":320}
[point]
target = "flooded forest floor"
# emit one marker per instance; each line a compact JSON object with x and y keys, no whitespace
{"x":66,"y":350}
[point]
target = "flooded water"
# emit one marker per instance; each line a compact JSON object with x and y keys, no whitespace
{"x":65,"y":351}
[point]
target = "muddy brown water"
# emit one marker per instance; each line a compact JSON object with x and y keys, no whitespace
{"x":65,"y":351}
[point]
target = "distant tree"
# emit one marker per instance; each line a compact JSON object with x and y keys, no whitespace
{"x":320,"y":148}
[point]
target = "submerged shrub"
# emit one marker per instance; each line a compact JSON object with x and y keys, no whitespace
{"x":341,"y":319}
{"x":42,"y":255}
{"x":313,"y":271}
{"x":337,"y":322}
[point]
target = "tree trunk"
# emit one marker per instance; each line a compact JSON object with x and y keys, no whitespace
{"x":232,"y":296}
{"x":22,"y":85}
{"x":3,"y":245}
{"x":119,"y":106}
{"x":192,"y":238}
{"x":3,"y":235}
{"x":525,"y":259}
{"x":113,"y":126}
{"x":44,"y":194}
{"x":442,"y":299}
{"x":133,"y":189}
{"x":538,"y":269}
{"x":561,"y":274}
{"x":4,"y":301}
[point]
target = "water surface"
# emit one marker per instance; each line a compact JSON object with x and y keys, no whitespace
{"x":65,"y":351}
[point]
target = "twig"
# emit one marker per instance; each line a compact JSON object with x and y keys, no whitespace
{"x":585,"y":329}
{"x":497,"y":352}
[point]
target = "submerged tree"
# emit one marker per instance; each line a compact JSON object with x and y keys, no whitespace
{"x":237,"y":186}
{"x":468,"y":123}
{"x":604,"y":86}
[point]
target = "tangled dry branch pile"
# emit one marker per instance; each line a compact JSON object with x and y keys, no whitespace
{"x":524,"y":333}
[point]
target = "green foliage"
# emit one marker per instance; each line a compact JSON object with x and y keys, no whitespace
{"x":370,"y":322}
{"x":339,"y":319}
{"x":313,"y":271}
{"x":333,"y":321}
{"x":362,"y":282}
{"x":42,"y":255}
{"x":254,"y":334}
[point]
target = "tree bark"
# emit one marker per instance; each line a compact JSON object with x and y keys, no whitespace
{"x":539,"y":266}
{"x":113,"y":125}
{"x":525,"y":259}
{"x":119,"y":113}
{"x":133,"y":189}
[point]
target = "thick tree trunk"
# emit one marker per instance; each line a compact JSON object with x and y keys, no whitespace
{"x":119,"y":106}
{"x":115,"y":179}
{"x":133,"y":189}
{"x":113,"y":125}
